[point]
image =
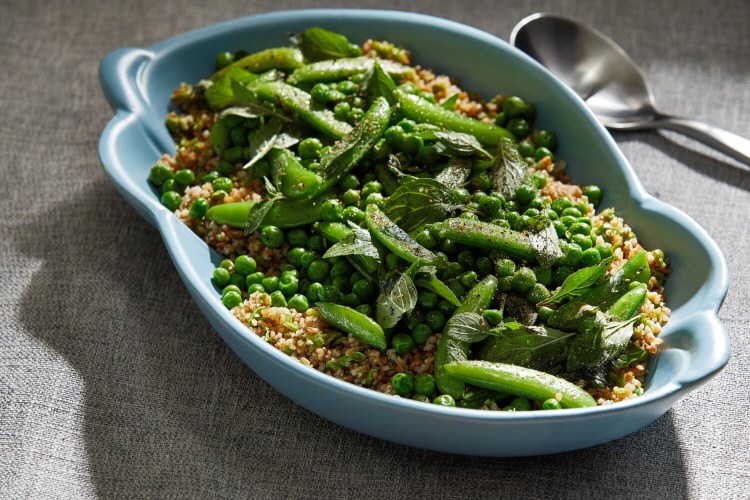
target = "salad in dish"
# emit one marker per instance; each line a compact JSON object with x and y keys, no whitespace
{"x":384,"y":226}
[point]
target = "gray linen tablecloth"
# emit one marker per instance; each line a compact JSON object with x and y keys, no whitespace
{"x":113,"y":384}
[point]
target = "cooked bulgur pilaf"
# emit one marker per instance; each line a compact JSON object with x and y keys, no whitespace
{"x":303,"y":335}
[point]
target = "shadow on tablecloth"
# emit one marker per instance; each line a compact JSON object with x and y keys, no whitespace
{"x":170,"y":411}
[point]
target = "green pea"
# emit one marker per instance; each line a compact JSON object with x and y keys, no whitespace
{"x":518,"y":404}
{"x":468,"y":279}
{"x":514,"y":106}
{"x":329,"y":293}
{"x":457,"y":288}
{"x":412,"y":144}
{"x":421,"y":398}
{"x":505,"y":283}
{"x":288,"y":284}
{"x":560,"y":204}
{"x":526,"y":148}
{"x":427,"y":299}
{"x":365,"y":290}
{"x":299,"y":303}
{"x":223,"y":184}
{"x":571,"y":253}
{"x":505,"y":267}
{"x":420,"y":333}
{"x":351,"y":299}
{"x":537,"y":294}
{"x":518,"y":127}
{"x":349,"y":181}
{"x":234,"y":154}
{"x":230,"y":288}
{"x":424,"y":384}
{"x":544,"y":313}
{"x":435,"y":319}
{"x":313,"y":291}
{"x":425,"y":239}
{"x":238,"y":136}
{"x":560,"y":274}
{"x":444,"y":400}
{"x":524,"y":279}
{"x":224,"y":168}
{"x":559,"y":226}
{"x":365,"y":309}
{"x":570,"y":212}
{"x":543,"y":275}
{"x":446,"y":307}
{"x":318,"y":270}
{"x":331,"y":210}
{"x":402,"y":383}
{"x":590,"y":257}
{"x":501,"y":119}
{"x":402,"y":343}
{"x":270,"y":283}
{"x":546,"y":139}
{"x":371,"y":187}
{"x":296,"y":238}
{"x":255,"y":288}
{"x":594,"y":194}
{"x":169,"y":185}
{"x":231,"y":300}
{"x":583,"y":241}
{"x":198,"y":208}
{"x":354,"y":214}
{"x":541,"y":153}
{"x":395,"y":136}
{"x":278,"y":299}
{"x":484,"y":266}
{"x":245,"y":265}
{"x":320,"y":92}
{"x":237,"y":280}
{"x":220,"y":277}
{"x":272,"y":236}
{"x":525,"y":193}
{"x":375,"y":199}
{"x":551,"y":404}
{"x":605,"y":250}
{"x":224,"y":59}
{"x":171,"y":200}
{"x":159,"y":174}
{"x":342,"y":268}
{"x":308,"y":258}
{"x":309,"y":148}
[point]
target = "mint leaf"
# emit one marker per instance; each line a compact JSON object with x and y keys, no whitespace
{"x":219,"y":137}
{"x":398,"y":296}
{"x":263,"y":140}
{"x":455,"y":174}
{"x":256,"y":214}
{"x":546,"y":245}
{"x":536,"y":347}
{"x":466,"y":327}
{"x":599,"y":345}
{"x":418,"y":202}
{"x":509,"y":169}
{"x":579,"y":282}
{"x":425,"y":277}
{"x":379,"y":84}
{"x":222,"y":93}
{"x":318,"y":44}
{"x":459,"y":144}
{"x":637,"y":354}
{"x":358,"y":242}
{"x":450,"y":103}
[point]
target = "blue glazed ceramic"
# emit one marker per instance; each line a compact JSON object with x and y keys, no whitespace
{"x":138,"y":83}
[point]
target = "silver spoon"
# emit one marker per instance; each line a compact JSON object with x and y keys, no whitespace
{"x":609,"y":81}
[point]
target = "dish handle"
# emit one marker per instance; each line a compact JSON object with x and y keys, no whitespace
{"x":712,"y":350}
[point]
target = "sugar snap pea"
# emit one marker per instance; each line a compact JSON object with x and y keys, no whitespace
{"x":300,"y":102}
{"x":340,"y":69}
{"x":283,"y":58}
{"x":290,"y":177}
{"x":478,"y":298}
{"x":489,"y":236}
{"x":354,"y":323}
{"x":284,"y":213}
{"x":520,"y":381}
{"x":629,"y":304}
{"x":396,"y":239}
{"x":423,"y":111}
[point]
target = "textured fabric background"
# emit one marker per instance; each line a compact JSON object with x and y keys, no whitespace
{"x":112,"y":383}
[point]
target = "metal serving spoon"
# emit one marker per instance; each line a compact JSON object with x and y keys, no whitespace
{"x":609,"y":81}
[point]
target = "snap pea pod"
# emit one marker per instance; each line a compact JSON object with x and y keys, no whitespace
{"x":629,"y":304}
{"x":284,"y":213}
{"x":386,"y":178}
{"x":347,"y":153}
{"x":337,"y":231}
{"x":602,"y":296}
{"x":423,"y":111}
{"x":283,"y":58}
{"x":340,"y":69}
{"x":396,"y":239}
{"x":490,"y":236}
{"x":478,"y":298}
{"x":520,"y":381}
{"x":290,"y":177}
{"x":300,"y":102}
{"x":354,"y":323}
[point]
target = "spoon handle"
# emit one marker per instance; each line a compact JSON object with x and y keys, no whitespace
{"x":731,"y":144}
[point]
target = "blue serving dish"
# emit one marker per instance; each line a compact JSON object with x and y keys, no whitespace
{"x":138,"y":83}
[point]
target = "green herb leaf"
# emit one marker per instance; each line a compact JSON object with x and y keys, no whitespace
{"x":536,"y":347}
{"x":343,"y":361}
{"x":379,"y":84}
{"x":420,"y":201}
{"x":264,"y":140}
{"x":219,"y":137}
{"x":256,"y":215}
{"x":546,"y":245}
{"x":599,"y":345}
{"x":459,"y":144}
{"x":358,"y":242}
{"x":396,"y":239}
{"x":223,"y":92}
{"x":509,"y":169}
{"x":242,"y":112}
{"x":636,"y":355}
{"x":426,"y":278}
{"x":579,"y":282}
{"x":455,"y":174}
{"x":398,"y":296}
{"x":318,"y":44}
{"x":466,"y":327}
{"x":450,"y":103}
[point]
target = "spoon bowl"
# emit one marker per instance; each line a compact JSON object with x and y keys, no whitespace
{"x":609,"y":81}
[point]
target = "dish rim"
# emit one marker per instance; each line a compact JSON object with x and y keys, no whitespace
{"x":121,"y":74}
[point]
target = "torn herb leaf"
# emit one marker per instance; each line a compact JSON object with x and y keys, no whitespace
{"x":509,"y":171}
{"x":599,"y":345}
{"x":379,"y":84}
{"x":318,"y":44}
{"x":256,"y":214}
{"x":466,"y":327}
{"x":358,"y":242}
{"x":398,"y":296}
{"x":536,"y":347}
{"x":546,"y":245}
{"x":459,"y":144}
{"x":263,"y":140}
{"x":455,"y":174}
{"x":219,"y":137}
{"x":579,"y":282}
{"x":222,"y":93}
{"x":420,"y":201}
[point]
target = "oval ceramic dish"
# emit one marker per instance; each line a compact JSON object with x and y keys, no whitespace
{"x":138,"y":84}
